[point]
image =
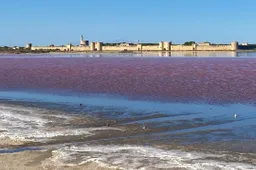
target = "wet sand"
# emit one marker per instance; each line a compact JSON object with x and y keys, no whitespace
{"x":39,"y":160}
{"x":6,"y":142}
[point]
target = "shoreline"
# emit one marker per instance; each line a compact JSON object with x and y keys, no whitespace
{"x":52,"y":159}
{"x":104,"y":148}
{"x":128,"y":127}
{"x":128,"y":52}
{"x":40,"y":160}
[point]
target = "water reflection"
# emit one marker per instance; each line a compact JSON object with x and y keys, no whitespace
{"x":198,"y":54}
{"x":224,"y":54}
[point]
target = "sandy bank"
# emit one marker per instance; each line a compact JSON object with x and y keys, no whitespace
{"x":39,"y":160}
{"x":7,"y":142}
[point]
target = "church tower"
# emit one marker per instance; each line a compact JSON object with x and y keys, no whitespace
{"x":83,"y":42}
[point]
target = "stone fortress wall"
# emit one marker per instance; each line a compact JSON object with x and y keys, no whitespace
{"x":162,"y":46}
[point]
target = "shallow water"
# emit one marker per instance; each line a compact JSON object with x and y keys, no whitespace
{"x":4,"y":151}
{"x":187,"y":100}
{"x":197,"y":116}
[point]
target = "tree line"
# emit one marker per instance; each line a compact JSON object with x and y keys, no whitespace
{"x":20,"y":50}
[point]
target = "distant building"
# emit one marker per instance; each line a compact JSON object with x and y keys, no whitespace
{"x":83,"y":42}
{"x":126,"y":46}
{"x":29,"y":46}
{"x":245,"y":44}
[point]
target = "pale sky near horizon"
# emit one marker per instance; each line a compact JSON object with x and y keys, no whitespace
{"x":45,"y":22}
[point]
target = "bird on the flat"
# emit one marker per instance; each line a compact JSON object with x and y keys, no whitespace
{"x":235,"y":116}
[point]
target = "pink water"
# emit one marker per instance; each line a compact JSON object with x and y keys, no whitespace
{"x":212,"y":80}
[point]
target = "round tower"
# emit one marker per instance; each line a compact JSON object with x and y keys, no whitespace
{"x":161,"y":45}
{"x":29,"y":46}
{"x":167,"y":46}
{"x":194,"y":47}
{"x":139,"y":47}
{"x":99,"y":46}
{"x":92,"y":46}
{"x":69,"y":47}
{"x":234,"y":46}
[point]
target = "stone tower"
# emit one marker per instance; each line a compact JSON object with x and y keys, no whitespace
{"x":194,"y":47}
{"x":234,"y":46}
{"x":161,"y":46}
{"x":92,"y":46}
{"x":167,"y":46}
{"x":69,"y":47}
{"x":139,"y":47}
{"x":29,"y":46}
{"x":82,"y":42}
{"x":98,"y":46}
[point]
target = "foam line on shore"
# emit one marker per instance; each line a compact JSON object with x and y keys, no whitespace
{"x":139,"y":157}
{"x":28,"y":124}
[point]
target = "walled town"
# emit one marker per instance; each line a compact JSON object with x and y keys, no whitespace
{"x":161,"y":46}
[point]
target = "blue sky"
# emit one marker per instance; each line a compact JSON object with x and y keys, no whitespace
{"x":43,"y":22}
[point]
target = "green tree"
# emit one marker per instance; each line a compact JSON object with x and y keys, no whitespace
{"x":189,"y":43}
